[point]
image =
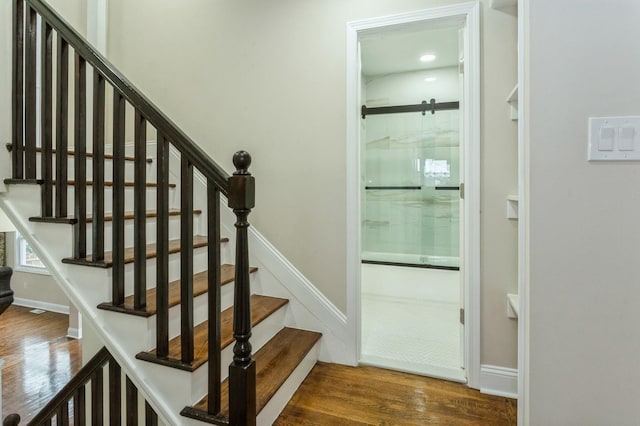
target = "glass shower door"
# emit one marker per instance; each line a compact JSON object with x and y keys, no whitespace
{"x":410,"y":205}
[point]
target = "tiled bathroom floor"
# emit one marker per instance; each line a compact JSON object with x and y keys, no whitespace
{"x":410,"y":320}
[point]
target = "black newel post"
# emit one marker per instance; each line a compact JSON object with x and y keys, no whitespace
{"x":242,"y":371}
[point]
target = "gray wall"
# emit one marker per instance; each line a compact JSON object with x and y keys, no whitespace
{"x":270,"y":77}
{"x":584,"y":234}
{"x":36,"y":287}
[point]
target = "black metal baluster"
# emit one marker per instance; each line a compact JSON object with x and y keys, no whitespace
{"x":46,"y":112}
{"x":213,"y":263}
{"x":97,"y":223}
{"x":62,"y":126}
{"x":17,"y":91}
{"x":242,"y":371}
{"x":62,"y":418}
{"x":115,"y":393}
{"x":132,"y":403}
{"x":150,"y":416}
{"x":80,"y":159}
{"x":31,"y":32}
{"x":140,"y":207}
{"x":119,"y":109}
{"x":186,"y":260}
{"x":79,"y":407}
{"x":97,"y":409}
{"x":162,"y":247}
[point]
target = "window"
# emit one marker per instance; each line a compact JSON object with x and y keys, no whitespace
{"x":26,"y":259}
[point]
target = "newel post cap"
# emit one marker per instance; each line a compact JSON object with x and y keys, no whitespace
{"x":242,"y":186}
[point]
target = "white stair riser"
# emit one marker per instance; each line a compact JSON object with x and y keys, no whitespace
{"x":108,"y":163}
{"x":146,"y":326}
{"x":279,"y":401}
{"x":261,"y":334}
{"x":108,"y":169}
{"x":174,"y":198}
{"x":129,"y":227}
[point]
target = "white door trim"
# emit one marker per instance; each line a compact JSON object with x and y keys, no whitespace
{"x":468,"y":15}
{"x":97,"y":12}
{"x":523,"y":216}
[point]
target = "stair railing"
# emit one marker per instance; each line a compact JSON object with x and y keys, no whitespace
{"x":58,"y":39}
{"x":71,"y":402}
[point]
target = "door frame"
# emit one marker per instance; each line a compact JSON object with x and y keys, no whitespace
{"x":466,"y":15}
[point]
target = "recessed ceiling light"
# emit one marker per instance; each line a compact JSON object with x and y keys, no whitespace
{"x":427,"y":58}
{"x":430,"y":79}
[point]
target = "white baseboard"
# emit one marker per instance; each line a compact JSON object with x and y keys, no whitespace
{"x":499,"y":381}
{"x":37,"y":304}
{"x":74,"y":333}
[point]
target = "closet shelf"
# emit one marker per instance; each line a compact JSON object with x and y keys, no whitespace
{"x":512,"y":100}
{"x":512,"y":206}
{"x":513,"y":305}
{"x":503,"y":4}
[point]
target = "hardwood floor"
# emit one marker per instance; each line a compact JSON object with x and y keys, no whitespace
{"x":339,"y":395}
{"x":39,"y":359}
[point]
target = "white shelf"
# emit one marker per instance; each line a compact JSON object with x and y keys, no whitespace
{"x":512,"y":206}
{"x":503,"y":4}
{"x":513,"y":305}
{"x":512,"y":99}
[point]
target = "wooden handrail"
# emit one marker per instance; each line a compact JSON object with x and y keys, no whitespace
{"x":148,"y":109}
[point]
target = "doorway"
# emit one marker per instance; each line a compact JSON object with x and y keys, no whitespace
{"x":410,"y":224}
{"x":413,"y":152}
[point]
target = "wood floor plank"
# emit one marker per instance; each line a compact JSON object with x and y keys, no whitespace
{"x":261,"y":308}
{"x":39,"y":359}
{"x":174,"y":247}
{"x":200,"y":287}
{"x":337,"y":394}
{"x":275,"y":362}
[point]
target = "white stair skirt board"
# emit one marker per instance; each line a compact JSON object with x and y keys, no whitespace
{"x":279,"y":401}
{"x":499,"y":381}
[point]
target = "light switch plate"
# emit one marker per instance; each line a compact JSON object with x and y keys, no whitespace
{"x":614,"y":138}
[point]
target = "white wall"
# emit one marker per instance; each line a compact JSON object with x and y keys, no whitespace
{"x":270,"y":78}
{"x":584,"y":234}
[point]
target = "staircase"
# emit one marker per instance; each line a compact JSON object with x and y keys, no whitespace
{"x":203,"y":335}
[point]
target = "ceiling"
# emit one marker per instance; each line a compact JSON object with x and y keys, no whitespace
{"x":399,"y":51}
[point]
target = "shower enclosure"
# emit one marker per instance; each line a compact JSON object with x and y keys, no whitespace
{"x":411,"y":177}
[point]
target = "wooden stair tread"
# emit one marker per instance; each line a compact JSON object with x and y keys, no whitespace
{"x":200,"y":287}
{"x":108,"y":217}
{"x":174,"y":247}
{"x":274,"y":364}
{"x":89,"y":154}
{"x":109,"y":183}
{"x":261,"y":308}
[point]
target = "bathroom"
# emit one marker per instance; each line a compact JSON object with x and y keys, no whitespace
{"x":411,"y":161}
